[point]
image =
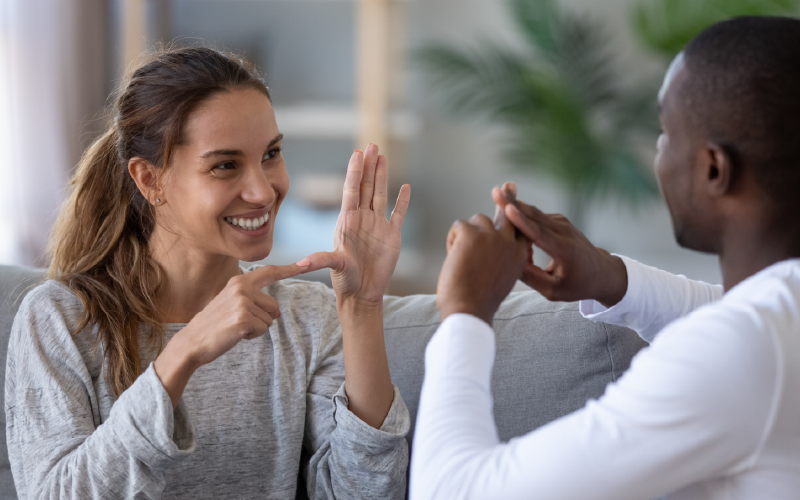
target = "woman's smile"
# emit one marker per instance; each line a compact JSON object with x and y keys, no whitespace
{"x":256,"y":223}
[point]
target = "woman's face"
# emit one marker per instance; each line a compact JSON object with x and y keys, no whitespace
{"x":227,"y":178}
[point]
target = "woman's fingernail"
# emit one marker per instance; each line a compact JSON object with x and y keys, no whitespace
{"x":357,"y":151}
{"x":304,"y":263}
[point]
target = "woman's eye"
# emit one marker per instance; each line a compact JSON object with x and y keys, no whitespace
{"x":228,"y":165}
{"x":272,"y":153}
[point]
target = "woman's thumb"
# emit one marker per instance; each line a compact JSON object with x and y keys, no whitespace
{"x":321,"y":260}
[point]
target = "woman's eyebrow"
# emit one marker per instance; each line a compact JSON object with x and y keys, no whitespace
{"x":238,"y":152}
{"x":222,"y":152}
{"x":278,"y":138}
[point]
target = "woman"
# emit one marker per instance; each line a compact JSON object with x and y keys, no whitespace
{"x":141,"y":368}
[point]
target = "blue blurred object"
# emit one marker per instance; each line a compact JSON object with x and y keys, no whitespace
{"x":301,"y":229}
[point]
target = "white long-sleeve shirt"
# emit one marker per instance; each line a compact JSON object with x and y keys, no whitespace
{"x":711,"y":410}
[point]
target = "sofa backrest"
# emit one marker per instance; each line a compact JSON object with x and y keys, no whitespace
{"x":549,"y":361}
{"x":15,"y":283}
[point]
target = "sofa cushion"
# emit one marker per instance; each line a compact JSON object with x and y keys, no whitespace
{"x":549,"y":359}
{"x":15,"y":283}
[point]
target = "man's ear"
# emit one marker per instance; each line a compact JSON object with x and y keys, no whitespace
{"x":145,"y":175}
{"x":718,"y":170}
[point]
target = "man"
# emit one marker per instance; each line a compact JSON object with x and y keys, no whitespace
{"x":712,"y":408}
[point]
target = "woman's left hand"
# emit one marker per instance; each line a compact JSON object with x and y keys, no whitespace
{"x":366,"y":245}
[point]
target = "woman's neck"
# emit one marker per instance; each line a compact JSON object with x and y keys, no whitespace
{"x":192,"y":277}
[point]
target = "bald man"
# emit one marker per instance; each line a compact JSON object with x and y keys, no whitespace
{"x":711,"y":410}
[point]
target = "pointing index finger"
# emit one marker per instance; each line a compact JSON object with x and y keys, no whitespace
{"x":267,"y":275}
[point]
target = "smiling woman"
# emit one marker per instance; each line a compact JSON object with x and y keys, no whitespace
{"x":128,"y":375}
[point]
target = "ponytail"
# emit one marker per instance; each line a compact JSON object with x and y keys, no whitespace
{"x":99,"y":250}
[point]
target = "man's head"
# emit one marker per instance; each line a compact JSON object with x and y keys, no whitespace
{"x":730,"y":114}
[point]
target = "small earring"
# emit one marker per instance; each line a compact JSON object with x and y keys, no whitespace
{"x":158,"y":200}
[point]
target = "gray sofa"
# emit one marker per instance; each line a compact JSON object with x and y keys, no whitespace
{"x":549,"y":362}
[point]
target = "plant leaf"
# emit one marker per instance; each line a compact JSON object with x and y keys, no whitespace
{"x":538,"y":21}
{"x":666,"y":26}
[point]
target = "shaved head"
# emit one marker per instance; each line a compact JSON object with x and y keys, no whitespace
{"x":742,"y":92}
{"x":675,"y":68}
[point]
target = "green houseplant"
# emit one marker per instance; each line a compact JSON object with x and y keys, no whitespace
{"x":566,"y":113}
{"x":666,"y":26}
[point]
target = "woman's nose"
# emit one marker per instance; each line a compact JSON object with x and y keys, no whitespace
{"x":256,"y":187}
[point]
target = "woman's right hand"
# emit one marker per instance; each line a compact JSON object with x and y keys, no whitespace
{"x":241,"y":311}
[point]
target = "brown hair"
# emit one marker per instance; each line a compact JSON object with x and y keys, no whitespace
{"x":99,"y":243}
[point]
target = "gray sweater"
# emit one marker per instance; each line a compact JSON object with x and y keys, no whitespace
{"x":246,"y":425}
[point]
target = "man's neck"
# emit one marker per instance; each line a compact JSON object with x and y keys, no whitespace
{"x":752,"y":247}
{"x":192,"y":278}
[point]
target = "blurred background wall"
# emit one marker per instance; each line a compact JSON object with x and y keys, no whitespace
{"x":344,"y":72}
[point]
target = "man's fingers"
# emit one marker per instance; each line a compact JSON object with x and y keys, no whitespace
{"x":321,"y":260}
{"x":352,"y":182}
{"x":504,"y":226}
{"x":535,"y":214}
{"x":510,"y":188}
{"x":529,"y":228}
{"x":401,"y":207}
{"x":452,"y":234}
{"x":539,"y":279}
{"x":505,"y":194}
{"x":381,"y":186}
{"x":541,"y":236}
{"x":482,"y":221}
{"x":458,"y":228}
{"x":499,"y":198}
{"x":267,"y":275}
{"x":367,"y":188}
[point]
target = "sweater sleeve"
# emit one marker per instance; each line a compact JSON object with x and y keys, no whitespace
{"x":347,"y":457}
{"x":654,"y":299}
{"x":57,"y":446}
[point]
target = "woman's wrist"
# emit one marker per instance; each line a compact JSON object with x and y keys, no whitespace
{"x":354,"y":307}
{"x":174,"y":367}
{"x":369,"y":385}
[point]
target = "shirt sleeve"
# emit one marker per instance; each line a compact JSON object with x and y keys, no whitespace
{"x":675,"y":418}
{"x":654,"y":299}
{"x":57,"y":446}
{"x":348,"y":458}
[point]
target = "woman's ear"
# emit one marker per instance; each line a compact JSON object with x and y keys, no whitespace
{"x":145,"y":175}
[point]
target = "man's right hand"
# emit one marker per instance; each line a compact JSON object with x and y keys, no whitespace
{"x":484,"y":260}
{"x":579,"y":270}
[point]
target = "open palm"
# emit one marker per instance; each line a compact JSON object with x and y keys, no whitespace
{"x":366,"y":245}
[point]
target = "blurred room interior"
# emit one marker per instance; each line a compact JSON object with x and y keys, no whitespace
{"x":342,"y":73}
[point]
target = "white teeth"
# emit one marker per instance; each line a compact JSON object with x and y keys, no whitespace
{"x":249,"y":224}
